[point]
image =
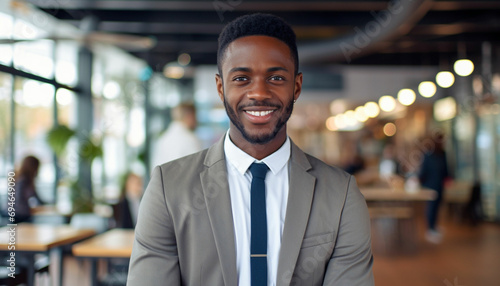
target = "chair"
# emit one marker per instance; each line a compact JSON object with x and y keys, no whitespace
{"x":19,"y":275}
{"x":49,"y":219}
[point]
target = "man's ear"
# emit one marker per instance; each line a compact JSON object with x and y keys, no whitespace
{"x":298,"y":86}
{"x":220,"y":86}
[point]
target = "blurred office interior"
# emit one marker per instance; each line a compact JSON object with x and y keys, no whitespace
{"x":88,"y":86}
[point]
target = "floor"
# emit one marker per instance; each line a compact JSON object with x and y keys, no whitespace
{"x":467,"y":256}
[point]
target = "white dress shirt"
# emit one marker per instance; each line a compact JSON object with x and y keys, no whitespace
{"x":177,"y":141}
{"x":240,"y":179}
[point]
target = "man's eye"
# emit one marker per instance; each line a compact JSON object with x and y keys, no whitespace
{"x":240,"y":78}
{"x":276,"y":77}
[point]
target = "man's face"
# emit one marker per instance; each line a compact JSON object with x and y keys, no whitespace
{"x":258,"y":87}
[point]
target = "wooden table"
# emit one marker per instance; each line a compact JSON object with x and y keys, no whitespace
{"x":393,"y":195}
{"x":393,"y":213}
{"x":37,"y":238}
{"x":116,"y":243}
{"x":44,"y":210}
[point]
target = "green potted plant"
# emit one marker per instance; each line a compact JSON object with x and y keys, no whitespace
{"x":58,"y":138}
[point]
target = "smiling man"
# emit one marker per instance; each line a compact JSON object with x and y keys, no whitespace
{"x":258,"y":95}
{"x":253,"y":209}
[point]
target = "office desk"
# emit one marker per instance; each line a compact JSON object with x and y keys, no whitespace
{"x":116,"y":243}
{"x":394,"y":216}
{"x":37,"y":238}
{"x":392,"y":195}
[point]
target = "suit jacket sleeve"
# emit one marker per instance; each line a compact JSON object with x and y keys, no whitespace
{"x":351,"y":261}
{"x":154,"y":259}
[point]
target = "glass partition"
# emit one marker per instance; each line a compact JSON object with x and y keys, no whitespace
{"x":66,"y":54}
{"x":35,"y":55}
{"x":66,"y":107}
{"x":118,"y":115}
{"x":488,"y":140}
{"x":6,"y":29}
{"x":33,"y":119}
{"x":5,"y":128}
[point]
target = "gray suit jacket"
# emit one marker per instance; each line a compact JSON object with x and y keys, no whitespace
{"x":185,"y":233}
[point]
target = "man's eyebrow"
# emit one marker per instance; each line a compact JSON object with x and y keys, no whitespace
{"x":244,"y":69}
{"x":273,"y":69}
{"x":239,"y":69}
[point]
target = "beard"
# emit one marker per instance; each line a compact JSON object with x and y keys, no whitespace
{"x":259,"y":138}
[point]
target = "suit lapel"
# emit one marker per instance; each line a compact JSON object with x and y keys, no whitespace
{"x":300,"y":195}
{"x":216,"y":191}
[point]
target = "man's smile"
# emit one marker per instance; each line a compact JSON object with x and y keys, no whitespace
{"x":259,"y":116}
{"x":259,"y":113}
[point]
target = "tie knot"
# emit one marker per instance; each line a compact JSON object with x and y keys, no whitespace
{"x":259,"y":170}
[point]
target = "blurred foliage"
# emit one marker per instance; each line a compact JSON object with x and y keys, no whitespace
{"x":58,"y":137}
{"x":81,"y":199}
{"x":90,"y":150}
{"x":142,"y":156}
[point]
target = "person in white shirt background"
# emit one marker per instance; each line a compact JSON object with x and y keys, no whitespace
{"x":179,"y":139}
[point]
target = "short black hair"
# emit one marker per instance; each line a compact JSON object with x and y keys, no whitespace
{"x":257,"y":24}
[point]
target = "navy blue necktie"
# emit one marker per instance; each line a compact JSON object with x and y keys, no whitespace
{"x":258,"y":237}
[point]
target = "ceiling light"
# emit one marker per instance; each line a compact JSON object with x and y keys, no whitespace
{"x":406,"y":96}
{"x":445,"y":79}
{"x":338,"y":106}
{"x":372,"y":109}
{"x":173,"y":70}
{"x":350,"y":118}
{"x":360,"y":114}
{"x":445,"y":109}
{"x":330,"y":124}
{"x":463,"y":67}
{"x":427,"y":89}
{"x":340,"y":121}
{"x":387,"y":103}
{"x":184,"y":59}
{"x":390,"y":129}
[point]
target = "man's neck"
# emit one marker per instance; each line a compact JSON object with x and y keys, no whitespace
{"x":258,"y":151}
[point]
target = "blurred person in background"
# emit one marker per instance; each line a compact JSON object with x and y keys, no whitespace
{"x":355,"y":165}
{"x":126,"y":210}
{"x":388,"y":166}
{"x":179,"y":139}
{"x":432,"y":175}
{"x":26,"y":196}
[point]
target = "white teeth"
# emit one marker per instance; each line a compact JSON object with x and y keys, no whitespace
{"x":260,"y":113}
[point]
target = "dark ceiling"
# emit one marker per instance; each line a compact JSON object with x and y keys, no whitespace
{"x":368,"y":32}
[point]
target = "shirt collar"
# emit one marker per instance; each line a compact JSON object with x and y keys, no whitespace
{"x":242,"y":161}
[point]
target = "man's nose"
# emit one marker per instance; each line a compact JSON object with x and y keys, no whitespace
{"x":259,"y":91}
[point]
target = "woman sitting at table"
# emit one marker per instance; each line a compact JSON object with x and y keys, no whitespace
{"x":25,"y":189}
{"x":125,"y":212}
